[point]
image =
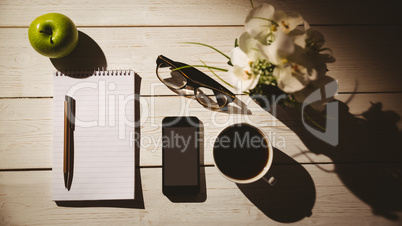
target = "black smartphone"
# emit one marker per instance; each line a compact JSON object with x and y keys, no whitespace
{"x":180,"y":155}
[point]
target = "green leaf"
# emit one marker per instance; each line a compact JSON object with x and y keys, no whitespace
{"x":217,"y":75}
{"x":209,"y":67}
{"x":202,"y":44}
{"x":312,"y":121}
{"x":272,"y":21}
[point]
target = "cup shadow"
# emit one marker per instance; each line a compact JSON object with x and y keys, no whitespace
{"x":87,"y":56}
{"x":291,"y":198}
{"x":138,"y":201}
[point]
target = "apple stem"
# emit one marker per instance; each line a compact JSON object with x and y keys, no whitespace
{"x":48,"y":33}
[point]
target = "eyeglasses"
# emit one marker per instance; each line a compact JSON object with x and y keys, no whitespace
{"x":207,"y":91}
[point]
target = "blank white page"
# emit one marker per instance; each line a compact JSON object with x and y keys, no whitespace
{"x":103,"y":138}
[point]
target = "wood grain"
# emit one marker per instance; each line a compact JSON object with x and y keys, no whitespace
{"x":362,"y":65}
{"x":193,"y":12}
{"x":357,"y":182}
{"x":226,"y":203}
{"x":26,"y":128}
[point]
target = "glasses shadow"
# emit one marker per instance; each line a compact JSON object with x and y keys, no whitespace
{"x":236,"y":107}
{"x":291,"y":198}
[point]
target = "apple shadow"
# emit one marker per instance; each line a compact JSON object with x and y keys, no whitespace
{"x":87,"y":56}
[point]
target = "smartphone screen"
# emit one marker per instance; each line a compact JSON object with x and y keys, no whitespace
{"x":180,"y":153}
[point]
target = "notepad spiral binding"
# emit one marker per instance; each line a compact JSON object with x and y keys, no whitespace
{"x":94,"y":72}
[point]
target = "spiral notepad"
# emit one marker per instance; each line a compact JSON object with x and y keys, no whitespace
{"x":104,"y":152}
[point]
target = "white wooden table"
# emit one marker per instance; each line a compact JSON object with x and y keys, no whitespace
{"x":316,"y":184}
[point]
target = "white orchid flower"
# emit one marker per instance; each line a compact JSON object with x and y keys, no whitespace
{"x":294,"y":69}
{"x":259,"y":22}
{"x":293,"y":77}
{"x":240,"y":74}
{"x":287,"y":23}
{"x":248,"y":45}
{"x":262,"y":23}
{"x":280,"y":50}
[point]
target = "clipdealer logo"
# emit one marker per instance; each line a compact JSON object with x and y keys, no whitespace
{"x":112,"y":112}
{"x":331,"y":134}
{"x":111,"y":107}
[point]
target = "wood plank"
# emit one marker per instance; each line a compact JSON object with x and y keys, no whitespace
{"x":362,"y":187}
{"x":26,"y":129}
{"x":29,"y":123}
{"x":25,"y":198}
{"x":193,"y":12}
{"x":362,"y":64}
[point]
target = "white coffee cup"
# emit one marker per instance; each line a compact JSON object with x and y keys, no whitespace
{"x":243,"y":158}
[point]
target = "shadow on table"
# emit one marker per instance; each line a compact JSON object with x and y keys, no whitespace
{"x":291,"y":198}
{"x":368,"y":157}
{"x":179,"y":195}
{"x":138,"y":202}
{"x":86,"y":56}
{"x":372,"y":144}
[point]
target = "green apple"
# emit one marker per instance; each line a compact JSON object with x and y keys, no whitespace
{"x":53,"y":35}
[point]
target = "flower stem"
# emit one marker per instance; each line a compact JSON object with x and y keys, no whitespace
{"x":202,"y":44}
{"x":46,"y":32}
{"x":314,"y":122}
{"x":217,"y":75}
{"x":50,"y":33}
{"x":188,"y":66}
{"x":272,"y":21}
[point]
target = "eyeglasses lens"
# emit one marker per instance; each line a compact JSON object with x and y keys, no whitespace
{"x":172,"y":78}
{"x":210,"y":99}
